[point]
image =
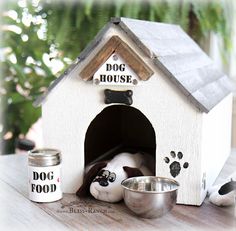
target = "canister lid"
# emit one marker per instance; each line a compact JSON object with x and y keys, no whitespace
{"x":44,"y":157}
{"x":24,"y":144}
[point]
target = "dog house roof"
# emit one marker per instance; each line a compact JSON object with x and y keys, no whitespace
{"x":175,"y":53}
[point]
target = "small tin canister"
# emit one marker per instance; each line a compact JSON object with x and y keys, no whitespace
{"x":44,"y":172}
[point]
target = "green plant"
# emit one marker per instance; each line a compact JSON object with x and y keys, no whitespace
{"x":41,"y":35}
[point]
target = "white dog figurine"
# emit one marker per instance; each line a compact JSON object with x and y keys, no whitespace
{"x":223,"y":194}
{"x":103,"y":180}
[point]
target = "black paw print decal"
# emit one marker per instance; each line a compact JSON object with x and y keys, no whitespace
{"x":175,"y":166}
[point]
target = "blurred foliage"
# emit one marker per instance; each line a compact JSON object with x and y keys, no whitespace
{"x":41,"y":38}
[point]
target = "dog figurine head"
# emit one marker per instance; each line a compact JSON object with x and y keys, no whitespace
{"x":103,"y":180}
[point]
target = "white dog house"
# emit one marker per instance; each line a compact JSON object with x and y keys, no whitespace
{"x":143,"y":86}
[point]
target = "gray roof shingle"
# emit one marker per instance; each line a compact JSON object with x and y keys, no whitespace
{"x":176,"y":54}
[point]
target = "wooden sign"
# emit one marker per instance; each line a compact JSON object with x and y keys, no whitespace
{"x":115,"y":72}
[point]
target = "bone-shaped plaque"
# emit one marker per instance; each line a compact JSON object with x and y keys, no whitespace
{"x":124,"y":97}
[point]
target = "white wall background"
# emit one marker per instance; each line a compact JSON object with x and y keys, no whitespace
{"x":232,"y":73}
{"x":229,"y":67}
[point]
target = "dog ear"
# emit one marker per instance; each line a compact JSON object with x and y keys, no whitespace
{"x":88,"y":179}
{"x":227,"y":188}
{"x":131,"y":172}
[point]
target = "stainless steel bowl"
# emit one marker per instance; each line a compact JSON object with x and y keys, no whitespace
{"x":150,"y":196}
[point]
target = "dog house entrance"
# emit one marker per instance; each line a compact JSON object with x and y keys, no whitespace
{"x":116,"y":129}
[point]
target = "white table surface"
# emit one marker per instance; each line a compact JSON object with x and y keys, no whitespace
{"x":17,"y":212}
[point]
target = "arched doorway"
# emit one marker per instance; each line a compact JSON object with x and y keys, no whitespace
{"x":118,"y":128}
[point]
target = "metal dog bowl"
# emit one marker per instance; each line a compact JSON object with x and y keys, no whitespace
{"x":150,"y":196}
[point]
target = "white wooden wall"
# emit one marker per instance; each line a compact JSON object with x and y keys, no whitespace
{"x":234,"y":123}
{"x":216,"y":140}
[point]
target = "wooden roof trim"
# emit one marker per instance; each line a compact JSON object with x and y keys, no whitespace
{"x":115,"y":44}
{"x":100,"y":58}
{"x":133,"y":60}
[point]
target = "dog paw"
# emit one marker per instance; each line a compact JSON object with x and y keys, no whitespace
{"x":175,"y":166}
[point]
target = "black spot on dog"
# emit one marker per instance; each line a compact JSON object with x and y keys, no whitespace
{"x":175,"y":166}
{"x":227,"y":188}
